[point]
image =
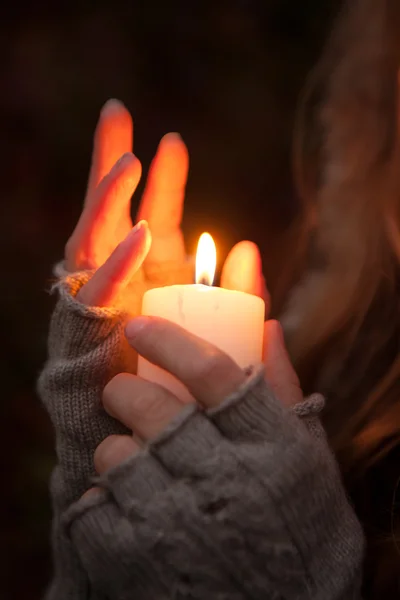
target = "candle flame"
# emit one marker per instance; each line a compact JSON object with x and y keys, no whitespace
{"x":206,"y":260}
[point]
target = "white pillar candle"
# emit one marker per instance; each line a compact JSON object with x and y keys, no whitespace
{"x":233,"y":321}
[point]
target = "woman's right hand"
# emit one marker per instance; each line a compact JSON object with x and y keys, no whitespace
{"x":129,"y":261}
{"x":104,"y":230}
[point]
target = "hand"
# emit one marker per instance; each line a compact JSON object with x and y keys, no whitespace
{"x":104,"y":229}
{"x":234,"y":500}
{"x":147,"y":409}
{"x":126,"y":261}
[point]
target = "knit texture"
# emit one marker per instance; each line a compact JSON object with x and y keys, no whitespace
{"x":244,"y":501}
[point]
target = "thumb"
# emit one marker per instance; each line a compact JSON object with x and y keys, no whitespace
{"x":110,"y":280}
{"x":279,"y":371}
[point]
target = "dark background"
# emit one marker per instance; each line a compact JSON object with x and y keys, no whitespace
{"x":226,"y":75}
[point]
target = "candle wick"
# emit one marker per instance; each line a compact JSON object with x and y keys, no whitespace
{"x":204,"y":280}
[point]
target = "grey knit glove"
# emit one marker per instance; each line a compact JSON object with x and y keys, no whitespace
{"x":86,"y":349}
{"x":241,"y":502}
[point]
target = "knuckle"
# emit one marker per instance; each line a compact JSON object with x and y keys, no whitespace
{"x":148,"y":403}
{"x":154,"y":338}
{"x":80,"y":253}
{"x":216,"y":365}
{"x":156,"y":330}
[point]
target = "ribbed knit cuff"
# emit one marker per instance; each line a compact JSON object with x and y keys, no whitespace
{"x":87,"y":348}
{"x":252,"y":413}
{"x":308,"y":411}
{"x":60,"y":271}
{"x":135,"y":482}
{"x":190,"y":442}
{"x":68,"y":287}
{"x":76,"y":327}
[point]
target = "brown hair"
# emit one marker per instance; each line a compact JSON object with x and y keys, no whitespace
{"x":342,"y":320}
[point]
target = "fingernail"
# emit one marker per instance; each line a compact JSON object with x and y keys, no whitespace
{"x":125,"y":159}
{"x":133,"y":328}
{"x":140,"y":225}
{"x":112,"y":106}
{"x":173,"y":136}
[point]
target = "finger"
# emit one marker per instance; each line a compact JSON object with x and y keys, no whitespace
{"x":208,"y":373}
{"x":279,"y":371}
{"x":114,"y":450}
{"x":113,"y":138}
{"x":162,"y":202}
{"x":242,"y":271}
{"x":144,"y":407}
{"x":91,"y":492}
{"x":89,"y":247}
{"x":110,"y":280}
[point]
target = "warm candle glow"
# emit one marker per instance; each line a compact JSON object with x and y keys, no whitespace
{"x":206,"y":260}
{"x":230,"y":320}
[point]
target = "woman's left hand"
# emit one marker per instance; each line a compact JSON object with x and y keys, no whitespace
{"x":210,"y":375}
{"x":234,"y":498}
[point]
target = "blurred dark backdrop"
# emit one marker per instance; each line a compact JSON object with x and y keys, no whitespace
{"x":226,"y":75}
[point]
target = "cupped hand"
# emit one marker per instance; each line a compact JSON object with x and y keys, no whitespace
{"x":210,"y":375}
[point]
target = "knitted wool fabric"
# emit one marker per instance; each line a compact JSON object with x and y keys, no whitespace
{"x":242,"y":502}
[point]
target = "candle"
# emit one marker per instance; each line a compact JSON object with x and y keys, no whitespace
{"x":231,"y":320}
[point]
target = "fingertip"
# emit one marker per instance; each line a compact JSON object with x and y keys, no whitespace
{"x":113,"y":136}
{"x":126,"y":159}
{"x":172,"y":137}
{"x":136,"y":326}
{"x":243,"y":269}
{"x":248,"y":251}
{"x":114,"y":131}
{"x":114,"y":107}
{"x":130,"y":165}
{"x":243,"y":255}
{"x":142,"y":224}
{"x":174,"y":146}
{"x":112,"y":104}
{"x":92,"y":492}
{"x":138,"y":239}
{"x":142,"y":229}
